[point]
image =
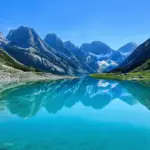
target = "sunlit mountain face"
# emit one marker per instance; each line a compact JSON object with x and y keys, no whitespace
{"x":82,"y":113}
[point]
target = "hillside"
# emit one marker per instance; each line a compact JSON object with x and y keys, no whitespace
{"x":143,"y":67}
{"x":138,"y":59}
{"x":8,"y":61}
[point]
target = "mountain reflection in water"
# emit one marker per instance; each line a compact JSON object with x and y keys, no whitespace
{"x":25,"y":101}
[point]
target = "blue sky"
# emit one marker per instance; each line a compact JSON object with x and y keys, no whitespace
{"x":114,"y":22}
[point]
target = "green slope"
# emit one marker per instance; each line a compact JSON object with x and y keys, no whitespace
{"x":144,"y":67}
{"x":7,"y":60}
{"x":135,"y":76}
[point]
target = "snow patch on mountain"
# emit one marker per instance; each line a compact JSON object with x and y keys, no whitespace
{"x":100,"y":56}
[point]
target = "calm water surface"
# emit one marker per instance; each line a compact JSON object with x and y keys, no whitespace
{"x":80,"y":114}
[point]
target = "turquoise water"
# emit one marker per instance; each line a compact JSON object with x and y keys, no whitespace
{"x":79,"y":114}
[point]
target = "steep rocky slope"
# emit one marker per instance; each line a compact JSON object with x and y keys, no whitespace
{"x":137,"y":59}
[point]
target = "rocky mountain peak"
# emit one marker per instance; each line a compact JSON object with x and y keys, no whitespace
{"x":96,"y":47}
{"x":70,"y":45}
{"x":26,"y":37}
{"x":129,"y":47}
{"x":54,"y":41}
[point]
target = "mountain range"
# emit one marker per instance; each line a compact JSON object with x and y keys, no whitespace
{"x":53,"y":55}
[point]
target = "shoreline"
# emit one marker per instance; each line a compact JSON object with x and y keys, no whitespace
{"x":131,"y":76}
{"x":10,"y":80}
{"x":31,"y":77}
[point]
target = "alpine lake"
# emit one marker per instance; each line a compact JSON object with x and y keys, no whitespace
{"x":77,"y":114}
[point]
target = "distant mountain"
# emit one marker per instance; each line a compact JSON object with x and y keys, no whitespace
{"x":96,"y":47}
{"x":70,"y":46}
{"x":98,"y":55}
{"x":56,"y":43}
{"x":137,"y":59}
{"x":128,"y":48}
{"x":103,"y":53}
{"x":91,"y":55}
{"x":87,"y":61}
{"x":117,"y":57}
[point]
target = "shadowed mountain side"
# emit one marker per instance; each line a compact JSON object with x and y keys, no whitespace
{"x":136,"y":60}
{"x":139,"y":90}
{"x":26,"y":101}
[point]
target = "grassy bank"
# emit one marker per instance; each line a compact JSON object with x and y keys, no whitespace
{"x":135,"y":76}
